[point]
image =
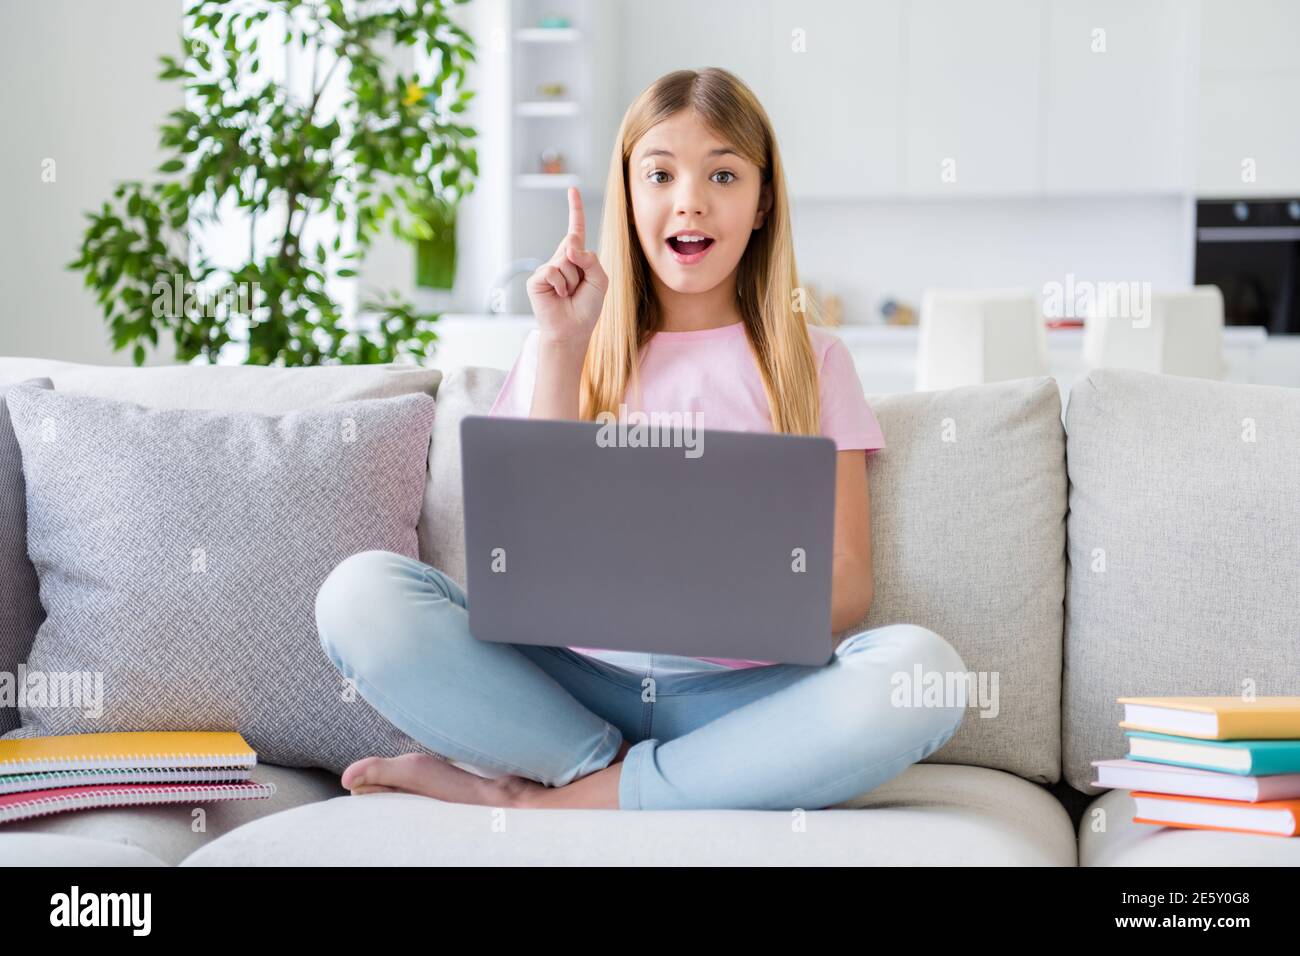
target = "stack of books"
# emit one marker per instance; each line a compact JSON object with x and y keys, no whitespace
{"x":41,"y":775}
{"x":1211,"y":763}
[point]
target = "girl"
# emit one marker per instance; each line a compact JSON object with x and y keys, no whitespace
{"x":699,"y":312}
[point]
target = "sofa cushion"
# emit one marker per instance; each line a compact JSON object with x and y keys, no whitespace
{"x":180,"y":553}
{"x":1183,"y":562}
{"x":968,"y":539}
{"x":926,"y":816}
{"x":268,"y":389}
{"x":464,"y":391}
{"x":44,"y":849}
{"x":1109,"y":837}
{"x":20,"y":601}
{"x":168,"y":832}
{"x":968,"y":532}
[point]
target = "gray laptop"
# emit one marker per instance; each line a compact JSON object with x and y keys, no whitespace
{"x":710,"y":543}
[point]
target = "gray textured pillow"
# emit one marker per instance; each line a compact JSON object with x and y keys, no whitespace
{"x":20,"y":600}
{"x":1184,"y":557}
{"x":180,"y":552}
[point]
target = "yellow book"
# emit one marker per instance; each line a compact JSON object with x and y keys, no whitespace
{"x":1214,"y":718}
{"x":128,"y":749}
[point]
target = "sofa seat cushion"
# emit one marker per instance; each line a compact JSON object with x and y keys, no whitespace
{"x":57,"y":849}
{"x":931,"y":814}
{"x":1109,"y":837}
{"x":164,"y":832}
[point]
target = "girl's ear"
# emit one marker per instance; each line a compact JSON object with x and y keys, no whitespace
{"x":764,"y":205}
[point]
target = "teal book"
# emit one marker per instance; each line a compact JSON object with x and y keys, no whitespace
{"x":1249,"y":757}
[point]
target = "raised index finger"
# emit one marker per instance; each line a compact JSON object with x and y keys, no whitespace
{"x":577,"y":219}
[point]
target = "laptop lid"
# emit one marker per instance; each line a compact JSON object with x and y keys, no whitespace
{"x":711,"y":543}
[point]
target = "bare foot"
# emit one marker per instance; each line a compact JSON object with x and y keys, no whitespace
{"x":374,"y":788}
{"x":429,"y":776}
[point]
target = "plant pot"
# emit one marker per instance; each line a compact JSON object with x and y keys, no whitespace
{"x":435,"y":258}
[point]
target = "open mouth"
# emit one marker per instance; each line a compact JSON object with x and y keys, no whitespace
{"x":689,"y":250}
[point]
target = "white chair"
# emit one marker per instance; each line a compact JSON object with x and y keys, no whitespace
{"x":1175,"y":333}
{"x":972,"y":337}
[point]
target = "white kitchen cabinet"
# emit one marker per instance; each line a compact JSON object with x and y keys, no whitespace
{"x":833,"y":96}
{"x":1246,"y":126}
{"x":950,"y":98}
{"x":1249,"y":88}
{"x":1118,"y":82}
{"x":972,"y":97}
{"x":1247,"y":123}
{"x":668,"y":35}
{"x":1256,"y":36}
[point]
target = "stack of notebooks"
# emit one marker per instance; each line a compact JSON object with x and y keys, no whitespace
{"x":41,"y":775}
{"x":1211,"y":763}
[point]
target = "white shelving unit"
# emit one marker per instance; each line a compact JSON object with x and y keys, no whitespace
{"x":552,"y":83}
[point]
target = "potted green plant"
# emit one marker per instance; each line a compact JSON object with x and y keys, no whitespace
{"x":435,"y":257}
{"x":393,"y":153}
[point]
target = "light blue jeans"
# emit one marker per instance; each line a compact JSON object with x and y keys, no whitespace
{"x":703,"y":736}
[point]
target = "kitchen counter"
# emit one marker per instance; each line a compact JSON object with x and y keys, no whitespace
{"x":885,"y":355}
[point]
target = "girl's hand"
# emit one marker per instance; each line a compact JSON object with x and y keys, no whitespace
{"x":566,"y":293}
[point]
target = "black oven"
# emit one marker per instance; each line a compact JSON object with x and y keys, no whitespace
{"x":1250,"y":249}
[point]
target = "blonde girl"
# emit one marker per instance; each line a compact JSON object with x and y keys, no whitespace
{"x":693,"y":305}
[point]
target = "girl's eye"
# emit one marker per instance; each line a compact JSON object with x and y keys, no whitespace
{"x":722,"y":172}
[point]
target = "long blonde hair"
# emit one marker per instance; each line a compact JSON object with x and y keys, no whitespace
{"x":766,"y":279}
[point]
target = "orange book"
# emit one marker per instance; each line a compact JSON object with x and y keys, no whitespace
{"x":1272,"y":817}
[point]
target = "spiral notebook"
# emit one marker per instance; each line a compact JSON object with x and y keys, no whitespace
{"x":36,"y":803}
{"x":42,"y":775}
{"x":126,"y":750}
{"x":49,"y":779}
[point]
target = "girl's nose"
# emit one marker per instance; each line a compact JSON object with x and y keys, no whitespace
{"x":689,"y":200}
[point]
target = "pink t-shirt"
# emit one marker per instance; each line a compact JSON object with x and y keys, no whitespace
{"x":713,"y":373}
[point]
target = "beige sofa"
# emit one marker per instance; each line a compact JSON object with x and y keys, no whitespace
{"x":1150,"y":551}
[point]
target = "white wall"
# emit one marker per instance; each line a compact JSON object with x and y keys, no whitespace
{"x":77,"y":85}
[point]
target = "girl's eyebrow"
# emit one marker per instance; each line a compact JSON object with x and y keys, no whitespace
{"x":720,"y":151}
